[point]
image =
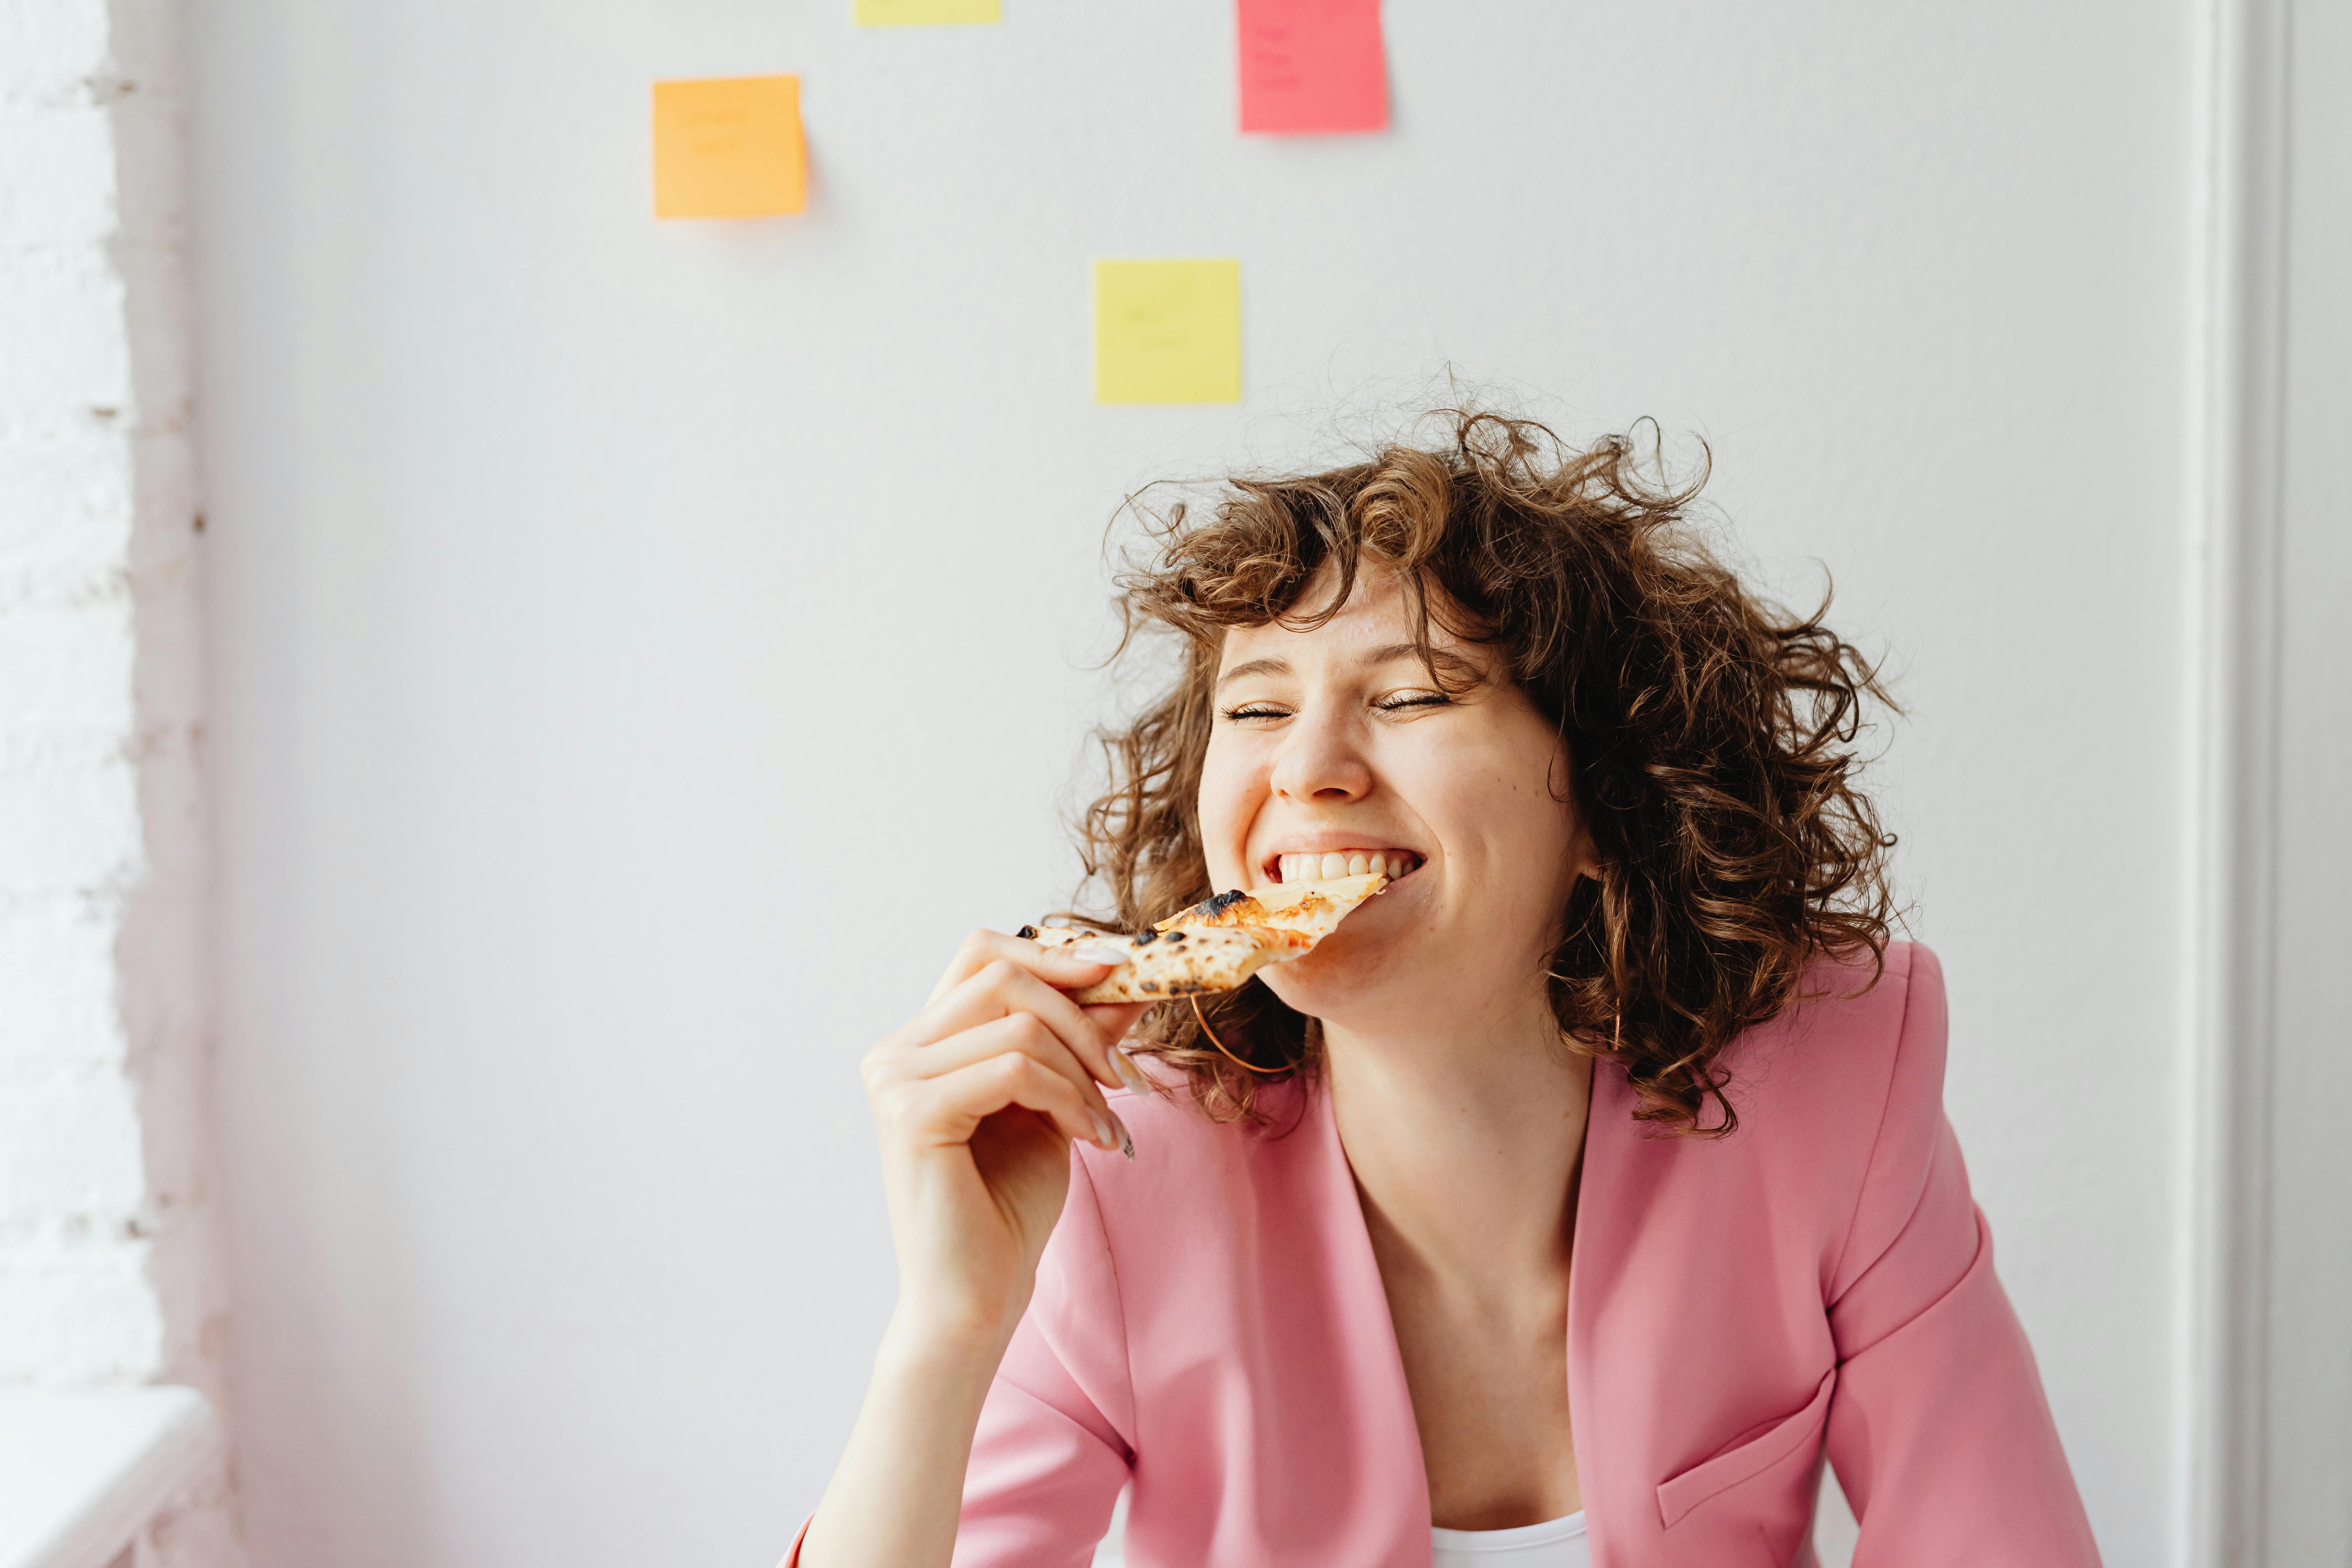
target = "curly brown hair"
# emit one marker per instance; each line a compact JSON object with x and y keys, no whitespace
{"x":1710,"y":736}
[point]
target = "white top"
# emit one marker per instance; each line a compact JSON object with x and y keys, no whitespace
{"x":1555,"y":1543}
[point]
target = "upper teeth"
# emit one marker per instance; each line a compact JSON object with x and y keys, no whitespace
{"x":1345,"y":863}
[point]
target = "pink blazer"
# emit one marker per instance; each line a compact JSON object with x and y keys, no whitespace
{"x":1209,"y":1325}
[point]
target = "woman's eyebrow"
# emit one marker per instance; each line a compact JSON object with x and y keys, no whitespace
{"x":1255,"y":667}
{"x":1446,"y":667}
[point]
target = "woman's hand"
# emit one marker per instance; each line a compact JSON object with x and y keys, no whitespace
{"x":977,"y":1101}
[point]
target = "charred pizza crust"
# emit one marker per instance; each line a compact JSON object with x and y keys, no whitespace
{"x":1162,"y":964}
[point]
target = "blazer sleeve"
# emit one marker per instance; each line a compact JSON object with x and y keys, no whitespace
{"x":1054,"y":1446}
{"x":1938,"y":1429}
{"x":1051,"y":1452}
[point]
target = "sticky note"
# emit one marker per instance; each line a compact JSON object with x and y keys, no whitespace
{"x":924,"y":13}
{"x":1168,"y":330}
{"x":729,"y":147}
{"x":1310,"y":66}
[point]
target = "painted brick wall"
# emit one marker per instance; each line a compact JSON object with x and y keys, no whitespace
{"x":109,"y":1269}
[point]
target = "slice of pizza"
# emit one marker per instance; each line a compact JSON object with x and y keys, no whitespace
{"x":1220,"y":942}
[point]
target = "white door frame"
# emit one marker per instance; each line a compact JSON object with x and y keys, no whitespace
{"x":2264,"y":1448}
{"x":2232,"y":734}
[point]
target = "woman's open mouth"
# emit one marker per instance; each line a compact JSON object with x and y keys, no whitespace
{"x":1393,"y":864}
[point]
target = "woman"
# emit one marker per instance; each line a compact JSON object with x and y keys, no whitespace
{"x":1567,"y":1203}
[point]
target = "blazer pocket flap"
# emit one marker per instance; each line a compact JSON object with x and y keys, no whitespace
{"x":1735,"y":1464}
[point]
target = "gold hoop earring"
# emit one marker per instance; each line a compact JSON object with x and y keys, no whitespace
{"x":1229,"y":1056}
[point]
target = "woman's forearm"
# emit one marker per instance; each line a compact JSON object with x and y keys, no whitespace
{"x":977,"y":1101}
{"x":895,"y":1494}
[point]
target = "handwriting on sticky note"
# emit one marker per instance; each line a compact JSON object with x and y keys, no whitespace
{"x":1168,"y":330}
{"x":1311,"y":66}
{"x":729,"y":147}
{"x":924,"y":13}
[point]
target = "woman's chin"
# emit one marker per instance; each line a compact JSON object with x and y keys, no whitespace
{"x":1339,"y":982}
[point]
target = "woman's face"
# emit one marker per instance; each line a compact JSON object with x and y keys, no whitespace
{"x":1335,"y":742}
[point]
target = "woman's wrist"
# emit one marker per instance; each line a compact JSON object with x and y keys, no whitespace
{"x":943,"y":1348}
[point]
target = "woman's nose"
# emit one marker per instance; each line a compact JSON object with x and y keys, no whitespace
{"x":1320,"y":762}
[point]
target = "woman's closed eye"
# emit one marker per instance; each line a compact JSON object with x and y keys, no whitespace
{"x":1393,"y":703}
{"x":1399,"y":701}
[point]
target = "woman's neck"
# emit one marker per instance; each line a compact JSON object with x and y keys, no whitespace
{"x":1465,"y":1147}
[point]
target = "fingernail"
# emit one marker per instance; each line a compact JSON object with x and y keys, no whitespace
{"x":1128,"y":1073}
{"x":1098,"y":953}
{"x":1126,"y":1144}
{"x":1103,"y":1134}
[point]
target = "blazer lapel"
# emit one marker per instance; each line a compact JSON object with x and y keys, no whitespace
{"x":1393,"y":1522}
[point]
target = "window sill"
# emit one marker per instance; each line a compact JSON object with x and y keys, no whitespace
{"x":82,"y":1473}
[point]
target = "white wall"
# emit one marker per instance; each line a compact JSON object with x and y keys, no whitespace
{"x":619,"y":624}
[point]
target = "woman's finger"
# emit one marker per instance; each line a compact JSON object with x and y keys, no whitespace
{"x":1020,"y":1032}
{"x":1116,"y":1020}
{"x":1014,"y":1030}
{"x":1004,"y":988}
{"x":1057,"y":966}
{"x":943,"y":1110}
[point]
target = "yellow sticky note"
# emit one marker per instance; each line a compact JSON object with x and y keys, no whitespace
{"x":729,"y":147}
{"x":1168,"y":330}
{"x":925,"y":12}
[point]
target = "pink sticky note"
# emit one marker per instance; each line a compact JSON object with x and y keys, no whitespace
{"x":1311,"y":66}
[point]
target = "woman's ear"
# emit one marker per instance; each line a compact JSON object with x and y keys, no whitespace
{"x":1585,"y":856}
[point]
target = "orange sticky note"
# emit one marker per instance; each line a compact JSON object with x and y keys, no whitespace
{"x":1312,"y":65}
{"x":729,"y":147}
